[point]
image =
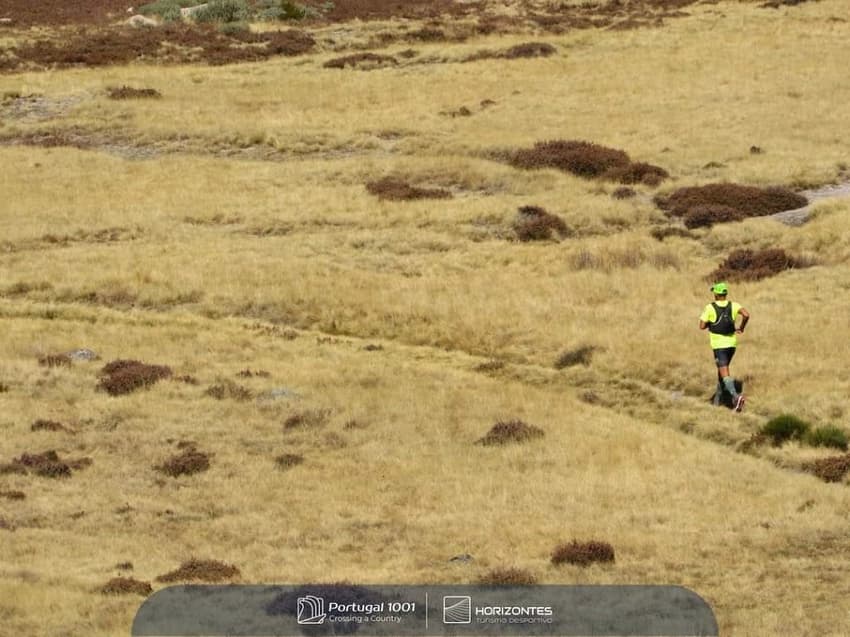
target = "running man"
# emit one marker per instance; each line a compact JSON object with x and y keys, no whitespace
{"x":719,"y":318}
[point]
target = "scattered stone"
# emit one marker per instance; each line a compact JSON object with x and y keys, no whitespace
{"x":189,"y":12}
{"x":278,"y":393}
{"x":82,"y":355}
{"x":463,"y":558}
{"x":140,"y":21}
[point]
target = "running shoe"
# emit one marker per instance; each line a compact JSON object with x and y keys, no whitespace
{"x":739,"y":402}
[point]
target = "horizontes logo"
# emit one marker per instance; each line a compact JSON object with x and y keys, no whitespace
{"x":457,"y":609}
{"x":311,"y":610}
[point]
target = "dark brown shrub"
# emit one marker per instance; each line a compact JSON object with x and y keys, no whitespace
{"x":670,"y":231}
{"x":504,"y":432}
{"x":638,"y":173}
{"x":201,"y":570}
{"x":751,"y":265}
{"x":47,"y":425}
{"x":490,"y":366}
{"x":508,"y":577}
{"x":259,"y":373}
{"x":707,"y":215}
{"x":395,"y":189}
{"x":126,"y":376}
{"x":185,"y":378}
{"x":128,"y":93}
{"x":366,"y":61}
{"x":6,"y":525}
{"x":307,"y":419}
{"x":288,"y":460}
{"x":126,"y":586}
{"x":750,"y":201}
{"x":189,"y":462}
{"x":124,"y":566}
{"x":525,"y":50}
{"x":583,"y":553}
{"x":228,"y":389}
{"x":830,"y":469}
{"x":535,"y":224}
{"x":623,"y":192}
{"x":13,"y":495}
{"x":578,"y":356}
{"x":581,"y":158}
{"x":529,"y":50}
{"x":55,"y":360}
{"x":47,"y":464}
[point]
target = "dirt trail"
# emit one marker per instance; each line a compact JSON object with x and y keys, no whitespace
{"x":799,"y":216}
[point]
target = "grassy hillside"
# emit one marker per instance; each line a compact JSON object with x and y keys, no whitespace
{"x":229,"y":226}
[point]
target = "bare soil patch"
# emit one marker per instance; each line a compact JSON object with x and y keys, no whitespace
{"x":519,"y":51}
{"x":583,"y":553}
{"x":288,"y":460}
{"x":189,"y":462}
{"x":201,"y":570}
{"x":505,"y":432}
{"x":753,"y":265}
{"x":126,"y":586}
{"x":533,"y":223}
{"x":396,"y":189}
{"x":309,"y":418}
{"x":47,"y":425}
{"x":508,"y":577}
{"x":125,"y":376}
{"x":586,"y":159}
{"x":130,"y":93}
{"x":363,"y":61}
{"x":748,"y":201}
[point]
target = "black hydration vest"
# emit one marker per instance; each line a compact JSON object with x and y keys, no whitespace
{"x":723,"y":323}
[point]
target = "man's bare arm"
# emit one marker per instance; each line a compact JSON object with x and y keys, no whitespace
{"x":744,"y":320}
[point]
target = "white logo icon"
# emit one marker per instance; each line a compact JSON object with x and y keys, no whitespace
{"x":457,"y":609}
{"x":311,"y":610}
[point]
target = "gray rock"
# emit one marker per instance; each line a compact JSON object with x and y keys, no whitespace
{"x":279,"y":393}
{"x":463,"y":558}
{"x":140,"y":21}
{"x":82,"y":355}
{"x":188,"y":12}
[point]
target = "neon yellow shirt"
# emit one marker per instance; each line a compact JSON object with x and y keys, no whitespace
{"x":720,"y":341}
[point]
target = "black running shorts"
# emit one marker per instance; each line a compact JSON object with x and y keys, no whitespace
{"x":723,"y":356}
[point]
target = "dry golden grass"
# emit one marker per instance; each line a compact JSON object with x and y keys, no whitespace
{"x":211,"y":265}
